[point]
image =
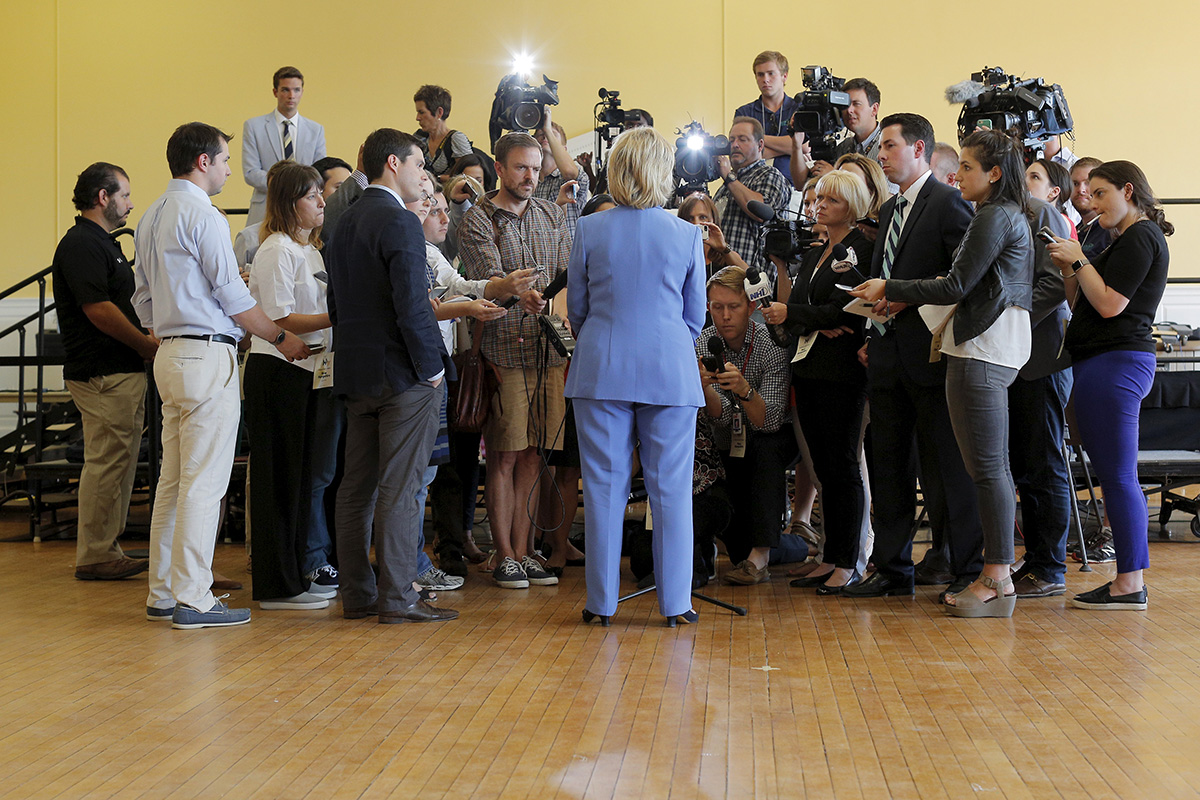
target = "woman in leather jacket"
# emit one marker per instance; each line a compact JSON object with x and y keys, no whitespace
{"x":986,"y":340}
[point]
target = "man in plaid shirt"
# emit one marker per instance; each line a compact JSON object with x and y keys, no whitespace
{"x":508,"y":230}
{"x":748,"y":177}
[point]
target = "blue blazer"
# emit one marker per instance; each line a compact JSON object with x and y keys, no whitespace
{"x":636,"y":301}
{"x":261,"y":148}
{"x":386,"y":338}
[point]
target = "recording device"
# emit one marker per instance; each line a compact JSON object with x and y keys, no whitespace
{"x":1031,"y":109}
{"x":438,"y":292}
{"x":715,"y":361}
{"x":611,"y":119}
{"x":556,"y":332}
{"x":519,"y":106}
{"x":783,"y":238}
{"x":758,"y":289}
{"x":696,"y":158}
{"x":1045,"y":235}
{"x":510,"y":302}
{"x":703,"y":231}
{"x":845,"y":260}
{"x":555,"y":286}
{"x":819,"y":117}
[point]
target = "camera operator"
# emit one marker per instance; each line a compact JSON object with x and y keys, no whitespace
{"x":561,"y":181}
{"x":748,"y":177}
{"x":773,"y":109}
{"x":747,"y":402}
{"x":861,"y":119}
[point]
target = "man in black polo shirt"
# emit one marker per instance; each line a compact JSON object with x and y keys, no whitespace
{"x":105,"y":369}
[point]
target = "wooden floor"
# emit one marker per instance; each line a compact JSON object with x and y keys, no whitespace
{"x":805,"y":697}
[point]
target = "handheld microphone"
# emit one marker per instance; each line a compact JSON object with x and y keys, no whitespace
{"x":716,"y":361}
{"x":845,"y":260}
{"x":761,"y":210}
{"x":555,"y":286}
{"x":758,"y":289}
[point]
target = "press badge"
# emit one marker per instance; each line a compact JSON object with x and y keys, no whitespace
{"x":323,"y":371}
{"x":803,"y":345}
{"x":737,"y":447}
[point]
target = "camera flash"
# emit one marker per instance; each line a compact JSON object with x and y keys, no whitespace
{"x":695,"y":142}
{"x":523,"y":64}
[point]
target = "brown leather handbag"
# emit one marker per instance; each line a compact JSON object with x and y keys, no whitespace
{"x":471,"y":395}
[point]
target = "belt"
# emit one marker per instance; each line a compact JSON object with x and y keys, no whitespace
{"x":215,"y":337}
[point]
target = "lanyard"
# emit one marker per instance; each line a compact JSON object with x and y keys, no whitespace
{"x":749,"y":351}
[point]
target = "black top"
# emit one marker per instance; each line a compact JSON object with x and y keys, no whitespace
{"x":89,"y":267}
{"x":816,"y":304}
{"x":1136,"y":266}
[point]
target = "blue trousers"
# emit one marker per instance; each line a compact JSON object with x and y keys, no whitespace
{"x":1108,"y":398}
{"x":608,"y":431}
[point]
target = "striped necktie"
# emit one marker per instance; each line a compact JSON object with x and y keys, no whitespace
{"x":893,"y":239}
{"x":288,"y":149}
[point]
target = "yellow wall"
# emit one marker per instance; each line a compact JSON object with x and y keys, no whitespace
{"x":88,"y":81}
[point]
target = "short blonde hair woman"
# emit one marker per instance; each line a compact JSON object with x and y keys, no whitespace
{"x":636,"y":303}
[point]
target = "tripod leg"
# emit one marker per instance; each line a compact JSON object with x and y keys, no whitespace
{"x":741,"y":612}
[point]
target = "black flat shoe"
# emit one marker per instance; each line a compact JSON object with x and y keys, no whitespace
{"x":827,"y":591}
{"x":880,"y":585}
{"x":809,"y":581}
{"x":687,"y":618}
{"x":605,"y":621}
{"x":575,"y":562}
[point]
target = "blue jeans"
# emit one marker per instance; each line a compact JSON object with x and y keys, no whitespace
{"x":1037,"y":415}
{"x":423,"y":562}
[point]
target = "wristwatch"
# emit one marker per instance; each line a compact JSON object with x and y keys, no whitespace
{"x":730,"y":178}
{"x":749,"y":395}
{"x":278,"y":340}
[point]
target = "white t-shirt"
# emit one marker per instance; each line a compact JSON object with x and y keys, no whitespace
{"x":284,"y":281}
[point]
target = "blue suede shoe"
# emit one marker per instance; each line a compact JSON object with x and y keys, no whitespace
{"x":159,"y":614}
{"x":219,"y":616}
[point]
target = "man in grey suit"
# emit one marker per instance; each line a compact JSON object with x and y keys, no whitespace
{"x":282,"y":134}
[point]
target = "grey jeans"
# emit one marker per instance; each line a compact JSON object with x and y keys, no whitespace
{"x":977,"y":396}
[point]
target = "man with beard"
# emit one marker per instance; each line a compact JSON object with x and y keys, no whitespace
{"x":105,"y":368}
{"x":747,"y":176}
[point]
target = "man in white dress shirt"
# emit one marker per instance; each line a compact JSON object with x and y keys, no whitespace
{"x":282,"y":134}
{"x":188,"y":293}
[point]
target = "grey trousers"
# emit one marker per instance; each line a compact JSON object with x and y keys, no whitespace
{"x":388,"y":443}
{"x":977,"y":397}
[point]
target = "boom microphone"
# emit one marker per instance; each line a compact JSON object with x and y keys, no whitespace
{"x":761,"y":210}
{"x":964,"y":92}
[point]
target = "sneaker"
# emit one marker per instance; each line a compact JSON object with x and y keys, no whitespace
{"x":304,"y":601}
{"x":323,"y":580}
{"x":509,"y":575}
{"x":1100,"y":598}
{"x":1100,"y":548}
{"x":746,"y":574}
{"x":536,"y":573}
{"x":219,"y":616}
{"x":433,"y":578}
{"x":159,"y":614}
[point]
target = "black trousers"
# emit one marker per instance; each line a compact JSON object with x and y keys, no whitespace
{"x":293,"y":432}
{"x":831,"y":415}
{"x":452,"y":495}
{"x":757,"y":485}
{"x":900,"y":407}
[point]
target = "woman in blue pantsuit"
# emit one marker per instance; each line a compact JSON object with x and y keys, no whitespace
{"x":636,"y":304}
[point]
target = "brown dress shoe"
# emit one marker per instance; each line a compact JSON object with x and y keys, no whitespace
{"x":419,"y":611}
{"x":1029,"y":585}
{"x":111,"y":570}
{"x":222,"y":584}
{"x":361,"y":612}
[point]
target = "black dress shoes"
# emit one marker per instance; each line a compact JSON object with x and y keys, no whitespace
{"x":419,"y":611}
{"x":809,"y":581}
{"x":826,"y":590}
{"x":880,"y":585}
{"x":932,"y":576}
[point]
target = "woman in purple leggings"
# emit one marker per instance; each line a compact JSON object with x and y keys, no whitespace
{"x":1116,"y":296}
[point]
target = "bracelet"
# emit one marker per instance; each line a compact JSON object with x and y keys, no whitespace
{"x":749,"y":395}
{"x":1070,"y":274}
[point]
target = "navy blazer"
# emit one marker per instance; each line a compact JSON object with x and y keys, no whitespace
{"x":935,"y":226}
{"x":636,"y":300}
{"x":386,"y":338}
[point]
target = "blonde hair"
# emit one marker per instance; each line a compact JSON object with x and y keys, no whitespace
{"x":876,"y":180}
{"x":848,"y":187}
{"x":640,"y":168}
{"x":732,"y":278}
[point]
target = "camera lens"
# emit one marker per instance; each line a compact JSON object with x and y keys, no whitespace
{"x":527,"y":116}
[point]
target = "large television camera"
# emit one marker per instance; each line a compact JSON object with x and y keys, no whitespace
{"x":611,"y":119}
{"x":1030,"y":109}
{"x":784,"y":238}
{"x":519,"y":106}
{"x":696,"y":158}
{"x":819,"y":117}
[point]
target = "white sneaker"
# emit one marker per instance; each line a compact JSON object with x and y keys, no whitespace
{"x":433,"y":578}
{"x":304,"y":601}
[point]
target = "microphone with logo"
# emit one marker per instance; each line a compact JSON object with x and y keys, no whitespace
{"x":758,"y":289}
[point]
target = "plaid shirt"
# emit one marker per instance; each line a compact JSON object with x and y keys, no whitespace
{"x":547,"y":189}
{"x":741,"y":232}
{"x":494,"y":242}
{"x":768,"y":372}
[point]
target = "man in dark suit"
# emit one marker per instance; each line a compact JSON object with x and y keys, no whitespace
{"x":919,"y":231}
{"x":390,"y":366}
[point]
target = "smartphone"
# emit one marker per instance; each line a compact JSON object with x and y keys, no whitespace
{"x":703,"y":231}
{"x":438,"y":292}
{"x":712,"y":363}
{"x":1045,"y":235}
{"x":471,"y":193}
{"x":316,"y":349}
{"x":843,"y":287}
{"x":510,"y":302}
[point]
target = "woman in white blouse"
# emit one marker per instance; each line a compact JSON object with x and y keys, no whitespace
{"x":292,"y":417}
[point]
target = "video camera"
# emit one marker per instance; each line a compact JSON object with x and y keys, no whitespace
{"x":819,"y":117}
{"x":696,"y":158}
{"x":1030,"y":108}
{"x":783,"y":238}
{"x":611,"y":119}
{"x":519,"y":106}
